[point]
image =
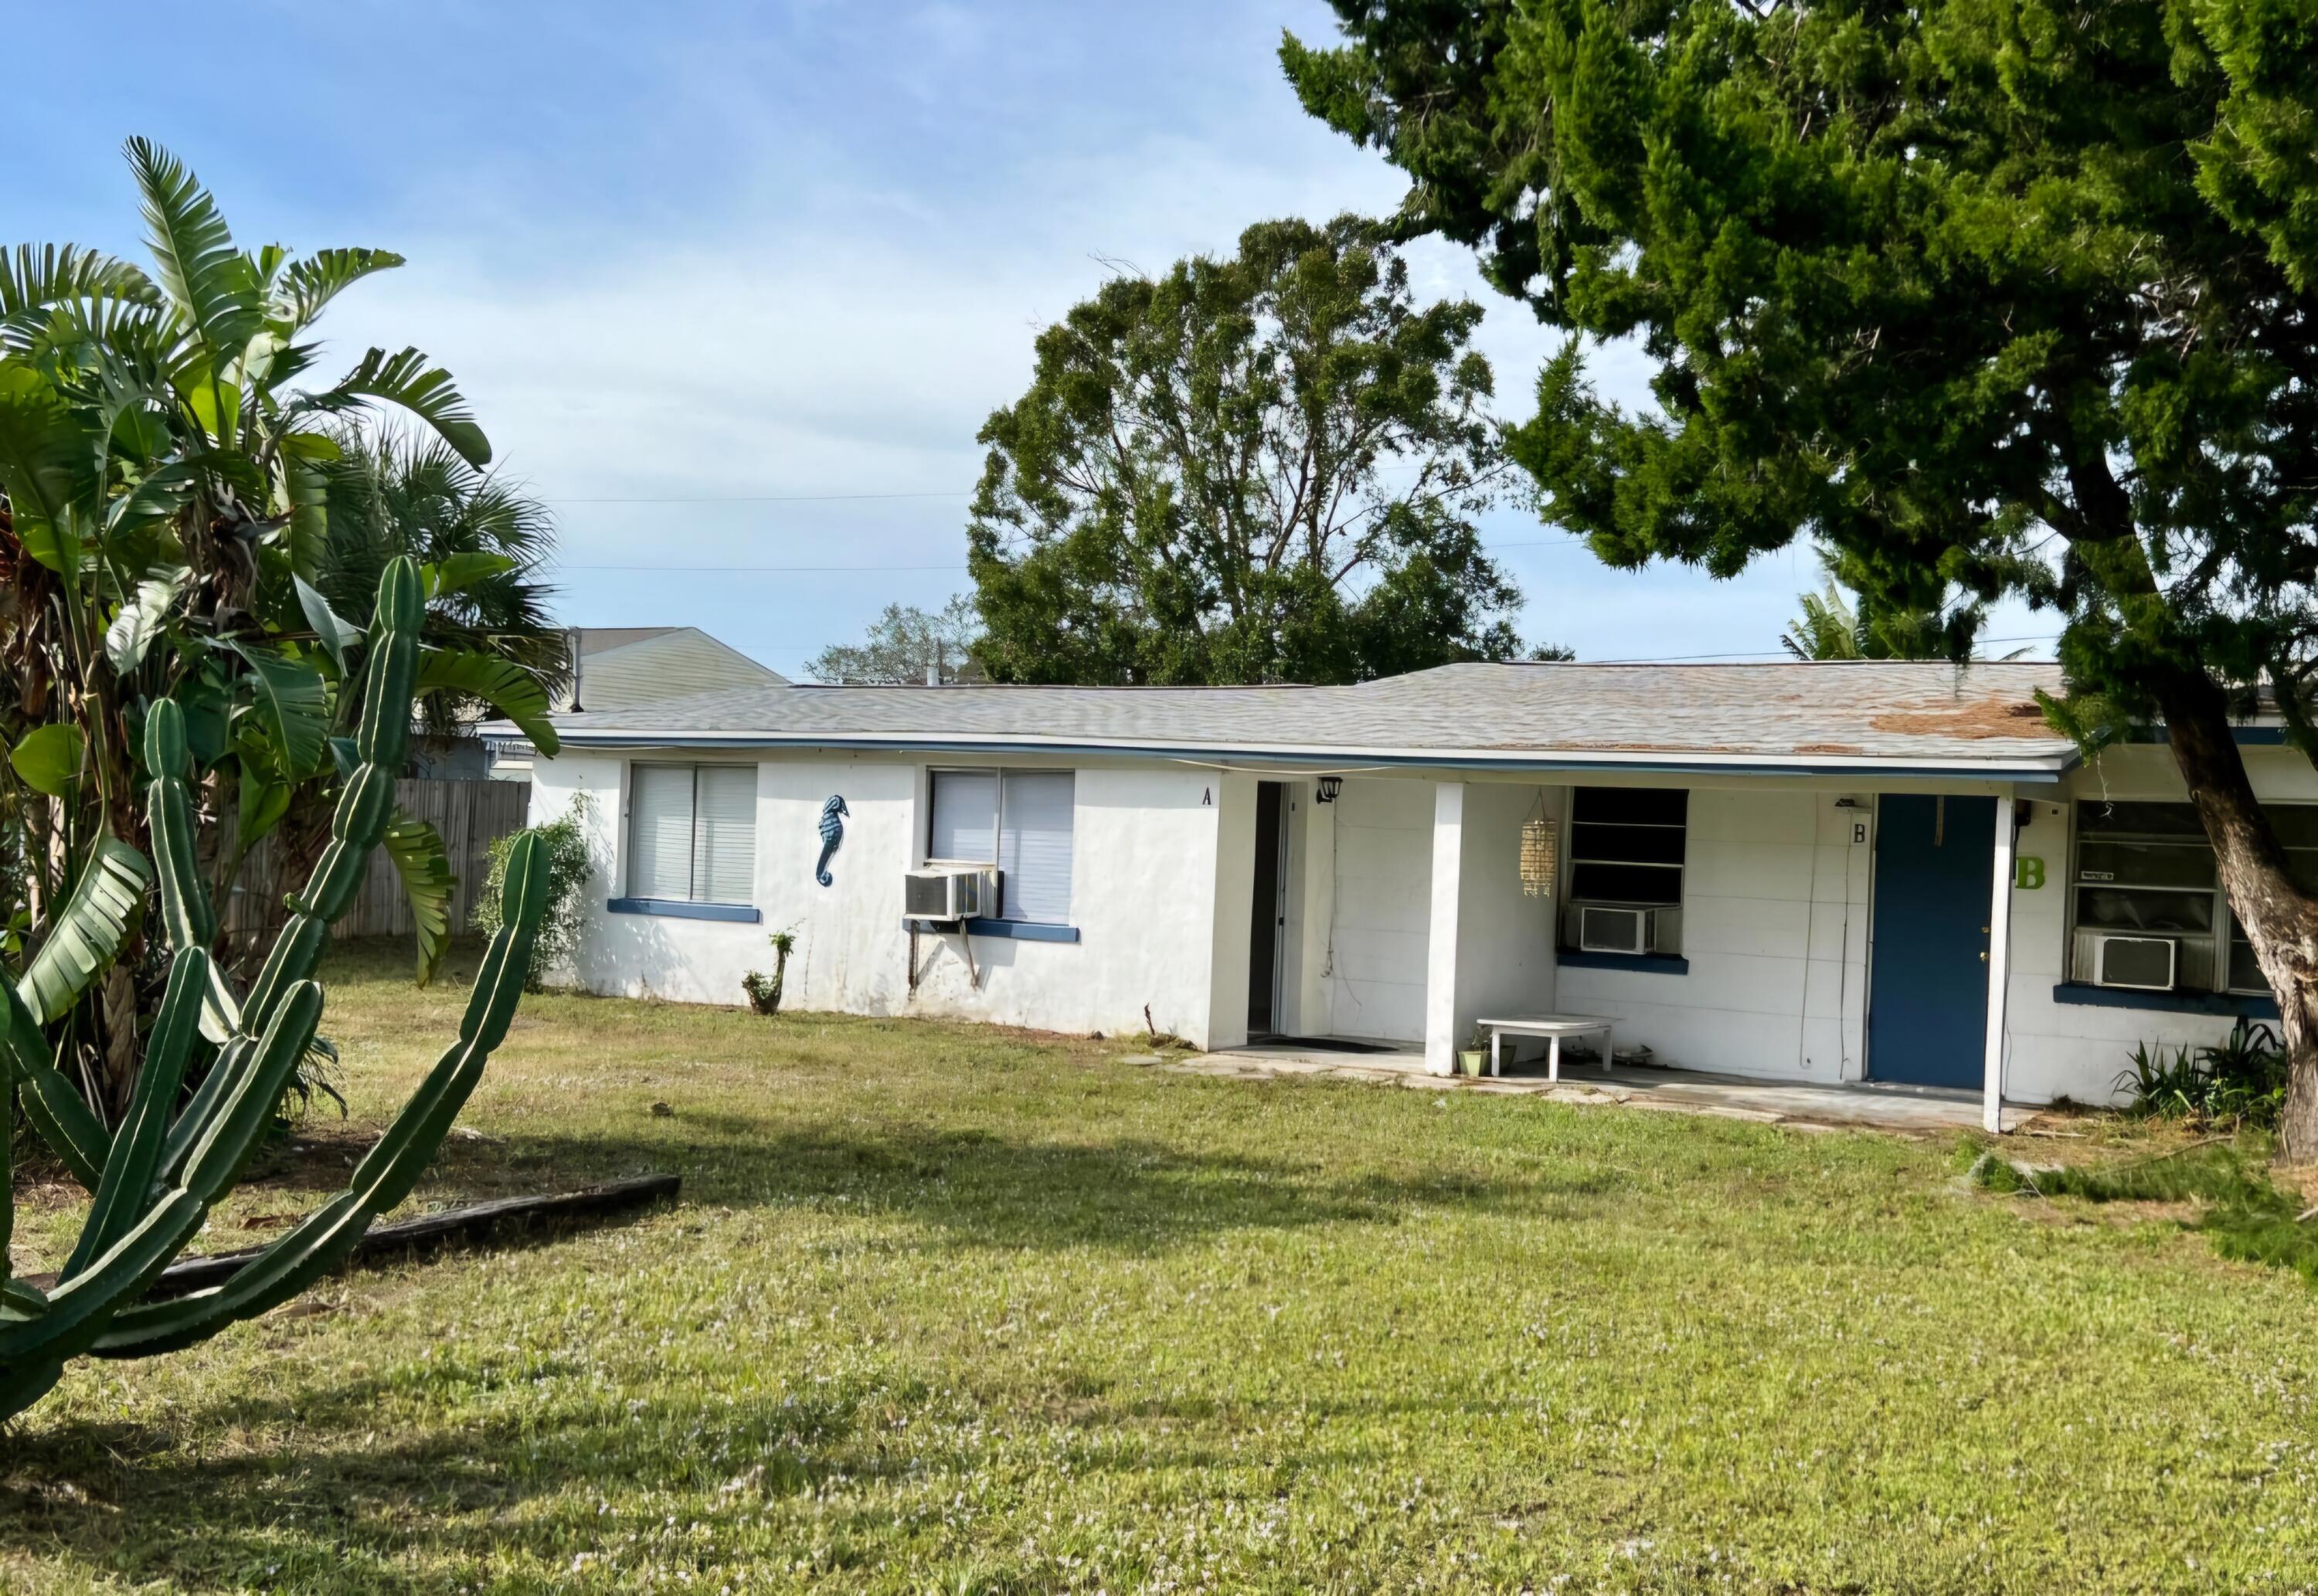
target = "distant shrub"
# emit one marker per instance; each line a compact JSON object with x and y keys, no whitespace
{"x":568,"y":869}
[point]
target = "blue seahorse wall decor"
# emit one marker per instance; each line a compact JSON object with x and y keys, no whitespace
{"x":832,"y":832}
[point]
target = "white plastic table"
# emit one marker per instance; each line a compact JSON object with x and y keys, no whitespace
{"x":1553,"y":1028}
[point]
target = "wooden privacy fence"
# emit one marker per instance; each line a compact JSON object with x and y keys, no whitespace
{"x":470,"y":815}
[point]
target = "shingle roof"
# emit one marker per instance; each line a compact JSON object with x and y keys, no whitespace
{"x":1980,"y":719}
{"x":599,"y":640}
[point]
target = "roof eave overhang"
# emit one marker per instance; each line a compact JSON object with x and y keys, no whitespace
{"x":2043,"y":769}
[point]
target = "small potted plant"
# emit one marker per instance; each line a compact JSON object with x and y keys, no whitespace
{"x":1476,"y":1049}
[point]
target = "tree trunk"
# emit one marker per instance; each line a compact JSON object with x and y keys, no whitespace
{"x":2278,"y":919}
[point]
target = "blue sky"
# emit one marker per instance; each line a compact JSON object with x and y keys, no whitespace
{"x":700,"y":265}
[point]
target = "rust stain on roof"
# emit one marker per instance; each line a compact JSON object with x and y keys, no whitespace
{"x":1828,"y":747}
{"x":1972,"y":720}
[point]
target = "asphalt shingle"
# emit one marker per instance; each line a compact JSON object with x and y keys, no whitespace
{"x":1836,"y":713}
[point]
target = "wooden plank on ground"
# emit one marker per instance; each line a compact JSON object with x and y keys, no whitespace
{"x":470,"y":1223}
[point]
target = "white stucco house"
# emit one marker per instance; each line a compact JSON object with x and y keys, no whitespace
{"x":1832,"y":873}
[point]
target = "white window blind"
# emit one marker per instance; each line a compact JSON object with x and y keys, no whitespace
{"x":1034,"y":846}
{"x":692,"y":833}
{"x":964,"y":826}
{"x":660,"y":833}
{"x":724,"y":834}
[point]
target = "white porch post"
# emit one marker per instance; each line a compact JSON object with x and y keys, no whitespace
{"x":1440,"y":944}
{"x":1999,"y":962}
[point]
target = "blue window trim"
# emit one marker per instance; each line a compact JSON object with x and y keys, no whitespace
{"x":1641,"y":964}
{"x":1022,"y":930}
{"x":681,"y":909}
{"x":2246,"y":1005}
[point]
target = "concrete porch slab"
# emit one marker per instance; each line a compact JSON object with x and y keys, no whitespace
{"x":1802,"y":1105}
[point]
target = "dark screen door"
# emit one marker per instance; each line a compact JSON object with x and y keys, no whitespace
{"x":1265,"y":918}
{"x":1928,"y":998}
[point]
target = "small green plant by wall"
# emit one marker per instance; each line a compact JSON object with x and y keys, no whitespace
{"x":765,"y":991}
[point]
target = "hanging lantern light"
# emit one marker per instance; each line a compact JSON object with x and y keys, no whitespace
{"x":1538,"y":852}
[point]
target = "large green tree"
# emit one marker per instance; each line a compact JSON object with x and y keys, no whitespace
{"x":906,"y":646}
{"x":2012,"y":294}
{"x":1258,"y":469}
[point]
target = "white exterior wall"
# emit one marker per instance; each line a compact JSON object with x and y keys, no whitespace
{"x":2075,"y":1050}
{"x":1775,"y":923}
{"x":1143,"y":898}
{"x":1375,"y":974}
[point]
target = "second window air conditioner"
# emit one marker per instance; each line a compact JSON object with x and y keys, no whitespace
{"x":2145,"y":963}
{"x":951,"y":893}
{"x":1604,"y":930}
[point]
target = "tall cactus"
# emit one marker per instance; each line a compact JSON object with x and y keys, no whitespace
{"x":155,"y":1179}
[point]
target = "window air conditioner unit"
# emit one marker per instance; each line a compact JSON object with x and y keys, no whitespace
{"x":943,"y":892}
{"x":1601,"y":929}
{"x":2145,"y":963}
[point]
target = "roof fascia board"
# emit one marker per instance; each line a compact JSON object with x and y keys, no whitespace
{"x":2041,"y":771}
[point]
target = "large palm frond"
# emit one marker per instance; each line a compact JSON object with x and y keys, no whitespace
{"x":394,"y":493}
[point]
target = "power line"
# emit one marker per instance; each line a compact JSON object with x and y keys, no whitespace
{"x":729,"y":569}
{"x":1780,"y":653}
{"x":760,"y":498}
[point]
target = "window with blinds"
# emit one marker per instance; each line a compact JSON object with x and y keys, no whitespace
{"x":692,"y":833}
{"x":1021,"y":820}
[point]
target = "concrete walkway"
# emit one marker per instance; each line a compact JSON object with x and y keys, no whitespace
{"x":1681,"y":1091}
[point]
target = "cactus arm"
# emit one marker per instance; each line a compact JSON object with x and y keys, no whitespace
{"x":224,"y":1071}
{"x":186,"y":909}
{"x":20,"y":1302}
{"x":365,"y":805}
{"x":129,"y":1171}
{"x":64,"y":1122}
{"x":187,"y":915}
{"x":231,"y":1135}
{"x":79,"y":1309}
{"x":366,"y":802}
{"x":320,"y":1241}
{"x":85,"y":1304}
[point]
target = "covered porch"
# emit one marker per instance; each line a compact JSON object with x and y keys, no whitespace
{"x":1394,"y":910}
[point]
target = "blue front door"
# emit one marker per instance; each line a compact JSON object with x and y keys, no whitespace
{"x":1928,"y":995}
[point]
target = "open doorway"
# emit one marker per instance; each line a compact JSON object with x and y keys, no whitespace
{"x":1267,"y":921}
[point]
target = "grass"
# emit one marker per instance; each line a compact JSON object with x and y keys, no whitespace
{"x":949,"y":1308}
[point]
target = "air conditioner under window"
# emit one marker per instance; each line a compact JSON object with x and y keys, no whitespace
{"x":1604,"y":930}
{"x":951,"y":893}
{"x":2145,"y":963}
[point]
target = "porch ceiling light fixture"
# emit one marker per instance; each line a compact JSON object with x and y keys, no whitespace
{"x":1538,"y":853}
{"x":1330,"y":785}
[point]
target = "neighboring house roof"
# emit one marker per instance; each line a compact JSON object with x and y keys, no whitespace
{"x":622,"y":667}
{"x":1979,"y":721}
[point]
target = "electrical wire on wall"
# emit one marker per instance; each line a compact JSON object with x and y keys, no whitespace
{"x":1811,"y":923}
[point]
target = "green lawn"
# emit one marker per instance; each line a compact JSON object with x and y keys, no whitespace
{"x":952,"y":1308}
